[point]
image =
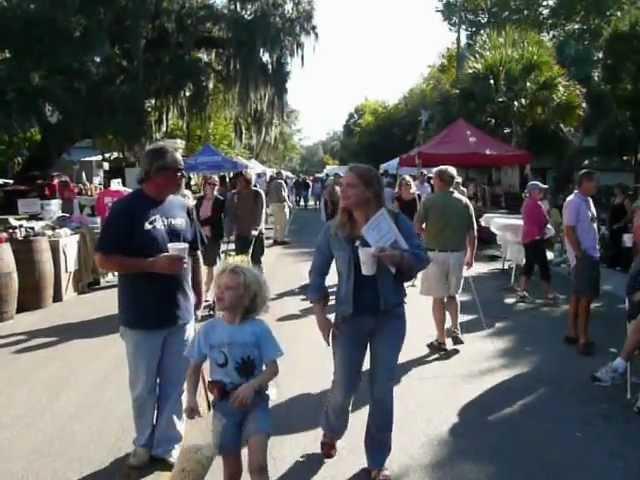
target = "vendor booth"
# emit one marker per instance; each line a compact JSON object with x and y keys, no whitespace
{"x":496,"y":166}
{"x":466,"y":147}
{"x":462,"y":145}
{"x":211,"y":161}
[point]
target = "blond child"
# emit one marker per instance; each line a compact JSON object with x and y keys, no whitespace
{"x":242,"y":354}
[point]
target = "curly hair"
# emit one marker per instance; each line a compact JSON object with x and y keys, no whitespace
{"x":254,"y":285}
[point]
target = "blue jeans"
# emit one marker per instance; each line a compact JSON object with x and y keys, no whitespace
{"x":384,"y":334}
{"x":157,"y":370}
{"x":244,"y":423}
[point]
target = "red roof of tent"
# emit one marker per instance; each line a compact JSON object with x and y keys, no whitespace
{"x":463,"y":145}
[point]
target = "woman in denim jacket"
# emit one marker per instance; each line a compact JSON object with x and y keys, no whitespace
{"x":369,"y":313}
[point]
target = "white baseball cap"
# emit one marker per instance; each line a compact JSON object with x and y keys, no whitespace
{"x":535,"y":186}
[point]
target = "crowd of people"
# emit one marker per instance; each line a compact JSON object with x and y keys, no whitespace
{"x":161,"y":293}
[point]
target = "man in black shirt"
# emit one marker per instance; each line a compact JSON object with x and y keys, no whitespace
{"x":158,"y":294}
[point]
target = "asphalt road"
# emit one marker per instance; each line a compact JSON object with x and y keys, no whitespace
{"x":514,"y":403}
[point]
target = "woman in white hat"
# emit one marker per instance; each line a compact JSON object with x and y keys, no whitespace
{"x":535,"y":222}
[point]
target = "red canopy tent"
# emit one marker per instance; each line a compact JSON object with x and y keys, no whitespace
{"x":464,"y":146}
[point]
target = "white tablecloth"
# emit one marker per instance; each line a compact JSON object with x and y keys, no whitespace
{"x":508,"y":229}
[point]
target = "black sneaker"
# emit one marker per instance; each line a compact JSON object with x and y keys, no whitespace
{"x":456,"y":339}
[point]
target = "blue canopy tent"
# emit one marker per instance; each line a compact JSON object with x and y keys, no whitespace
{"x":210,"y":161}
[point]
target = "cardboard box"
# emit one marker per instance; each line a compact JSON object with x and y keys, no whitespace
{"x":29,"y":206}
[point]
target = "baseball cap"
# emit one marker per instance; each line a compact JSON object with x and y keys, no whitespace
{"x":535,"y":185}
{"x":159,"y":157}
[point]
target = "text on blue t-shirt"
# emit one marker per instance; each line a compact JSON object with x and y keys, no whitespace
{"x":139,"y":226}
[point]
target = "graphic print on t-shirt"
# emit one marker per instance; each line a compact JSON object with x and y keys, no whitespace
{"x":235,"y":360}
{"x":162,"y":223}
{"x":245,"y":367}
{"x":236,"y":353}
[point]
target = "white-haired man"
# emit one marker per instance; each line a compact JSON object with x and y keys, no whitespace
{"x":448,"y":224}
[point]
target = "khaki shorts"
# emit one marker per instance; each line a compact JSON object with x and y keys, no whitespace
{"x":444,"y":275}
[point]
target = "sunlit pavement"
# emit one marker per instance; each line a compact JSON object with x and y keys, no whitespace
{"x":514,"y":403}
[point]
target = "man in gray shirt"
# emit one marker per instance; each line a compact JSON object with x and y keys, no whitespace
{"x":279,"y":204}
{"x":581,"y":237}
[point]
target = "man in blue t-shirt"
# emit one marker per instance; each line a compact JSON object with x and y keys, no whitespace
{"x":158,"y":295}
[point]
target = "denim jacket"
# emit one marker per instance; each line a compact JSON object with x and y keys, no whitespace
{"x":332,"y":245}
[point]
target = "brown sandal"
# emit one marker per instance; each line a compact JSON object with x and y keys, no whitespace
{"x":382,"y":474}
{"x":328,"y":448}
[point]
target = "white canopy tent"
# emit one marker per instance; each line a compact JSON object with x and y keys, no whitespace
{"x":391,"y":167}
{"x":256,"y":167}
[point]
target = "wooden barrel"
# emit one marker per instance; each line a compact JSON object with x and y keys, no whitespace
{"x":35,"y":273}
{"x":8,"y":283}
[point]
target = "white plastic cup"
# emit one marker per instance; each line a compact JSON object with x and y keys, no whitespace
{"x":368,"y":262}
{"x":627,"y":240}
{"x":179,"y":248}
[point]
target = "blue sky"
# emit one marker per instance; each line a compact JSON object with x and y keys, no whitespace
{"x":374,"y":49}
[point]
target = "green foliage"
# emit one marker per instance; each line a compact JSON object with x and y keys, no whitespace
{"x":329,"y":161}
{"x":311,"y":159}
{"x":14,"y":149}
{"x":131,"y":70}
{"x":512,"y":83}
{"x":478,"y":16}
{"x":621,"y":66}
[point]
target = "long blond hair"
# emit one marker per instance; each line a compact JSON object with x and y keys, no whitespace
{"x":371,"y":181}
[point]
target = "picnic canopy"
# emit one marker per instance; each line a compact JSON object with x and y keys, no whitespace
{"x":465,"y":146}
{"x":211,"y":161}
{"x":256,"y":167}
{"x":393,"y":167}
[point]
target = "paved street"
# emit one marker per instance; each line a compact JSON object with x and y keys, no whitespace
{"x":514,"y":403}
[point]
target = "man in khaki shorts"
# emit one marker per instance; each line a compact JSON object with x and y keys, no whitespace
{"x":448,"y":225}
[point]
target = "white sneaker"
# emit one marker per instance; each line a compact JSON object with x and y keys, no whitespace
{"x":139,"y":457}
{"x":607,"y":376}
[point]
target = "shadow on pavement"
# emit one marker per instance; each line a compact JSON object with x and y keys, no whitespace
{"x":118,"y":470}
{"x":300,"y":291}
{"x":305,"y":312}
{"x":58,"y":334}
{"x":307,"y":467}
{"x":548,"y":421}
{"x":362,"y":474}
{"x":301,"y":413}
